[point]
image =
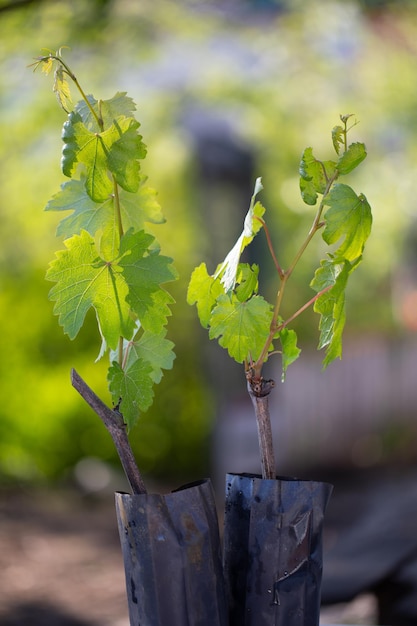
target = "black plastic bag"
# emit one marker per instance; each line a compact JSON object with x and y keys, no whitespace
{"x":172,"y":557}
{"x":273,"y":550}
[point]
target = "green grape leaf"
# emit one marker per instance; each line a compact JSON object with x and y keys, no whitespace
{"x":331,"y":306}
{"x":141,"y":207}
{"x":349,"y":217}
{"x":124,"y":153}
{"x":131,"y":389}
{"x":338,"y":138}
{"x":107,"y":110}
{"x":154,"y":349}
{"x":203,"y":290}
{"x":62,"y":90}
{"x":144,"y":359}
{"x":84,"y":280}
{"x":156,"y":316}
{"x":350,"y":159}
{"x":145,"y":271}
{"x":136,"y":209}
{"x":228,"y":269}
{"x":116,"y":149}
{"x":326,"y":275}
{"x":241,"y":327}
{"x":311,"y":175}
{"x":83,"y":146}
{"x":290,"y":350}
{"x":247,"y":279}
{"x":314,"y":176}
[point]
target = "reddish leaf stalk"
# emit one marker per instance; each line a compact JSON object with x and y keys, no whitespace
{"x":304,"y":307}
{"x":279,"y":269}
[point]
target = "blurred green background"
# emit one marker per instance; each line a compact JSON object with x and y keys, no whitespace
{"x":226,"y":91}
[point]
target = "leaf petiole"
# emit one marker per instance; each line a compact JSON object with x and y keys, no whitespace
{"x":303,"y":308}
{"x":270,"y":246}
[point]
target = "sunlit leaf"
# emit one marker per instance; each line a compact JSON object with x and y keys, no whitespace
{"x":331,"y":306}
{"x":114,"y":150}
{"x":47,"y":64}
{"x":349,"y":217}
{"x":247,"y":279}
{"x":125,"y":152}
{"x":156,"y":315}
{"x":83,"y":281}
{"x":144,"y":272}
{"x":136,"y":209}
{"x":203,"y":290}
{"x":338,"y":138}
{"x":350,"y":159}
{"x":241,"y":327}
{"x":62,"y":90}
{"x":314,"y":176}
{"x":131,"y":389}
{"x":107,"y":110}
{"x":290,"y":350}
{"x":154,"y":349}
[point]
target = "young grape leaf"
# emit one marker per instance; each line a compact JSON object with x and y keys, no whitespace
{"x":131,"y":389}
{"x":331,"y":306}
{"x":338,"y":138}
{"x":46,"y":63}
{"x":82,"y":146}
{"x":116,"y":149}
{"x":314,"y":176}
{"x":107,"y":110}
{"x":136,"y":209}
{"x":290,"y":350}
{"x":124,"y":153}
{"x":311,"y":176}
{"x":348,"y":217}
{"x":84,"y":280}
{"x":247,"y":281}
{"x":326,"y":275}
{"x":350,"y":159}
{"x":241,"y":327}
{"x":203,"y":290}
{"x":145,"y":358}
{"x":62,"y":90}
{"x":154,"y":349}
{"x":141,"y":208}
{"x":158,"y":311}
{"x":144,"y":271}
{"x":228,"y":269}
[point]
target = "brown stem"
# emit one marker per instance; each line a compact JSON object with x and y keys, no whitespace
{"x":259,"y":394}
{"x":113,"y":421}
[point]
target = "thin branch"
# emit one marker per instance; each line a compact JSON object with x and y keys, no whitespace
{"x":113,"y":421}
{"x":304,"y":307}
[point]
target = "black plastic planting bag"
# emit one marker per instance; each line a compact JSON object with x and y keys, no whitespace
{"x":273,"y":550}
{"x":172,"y":557}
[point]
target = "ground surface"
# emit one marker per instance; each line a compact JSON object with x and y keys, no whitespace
{"x":60,"y":561}
{"x":61,"y":565}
